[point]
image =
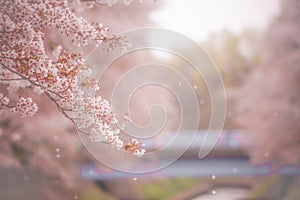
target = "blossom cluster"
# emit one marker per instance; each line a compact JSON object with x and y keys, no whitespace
{"x":92,"y":113}
{"x":134,"y":147}
{"x":27,"y":63}
{"x":25,"y":107}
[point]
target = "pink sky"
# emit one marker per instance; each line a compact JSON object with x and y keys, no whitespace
{"x":197,"y":18}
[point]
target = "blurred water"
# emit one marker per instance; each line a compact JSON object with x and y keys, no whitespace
{"x":224,"y":194}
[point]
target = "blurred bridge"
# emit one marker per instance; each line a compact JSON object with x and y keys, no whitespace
{"x":222,"y":161}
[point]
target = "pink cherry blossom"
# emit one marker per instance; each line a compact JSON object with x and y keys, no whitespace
{"x":26,"y":63}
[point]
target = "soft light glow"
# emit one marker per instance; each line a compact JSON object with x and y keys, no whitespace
{"x":198,"y":18}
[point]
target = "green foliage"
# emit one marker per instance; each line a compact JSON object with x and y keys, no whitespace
{"x":94,"y":193}
{"x":165,"y":189}
{"x":276,"y":187}
{"x":263,"y":188}
{"x":293,"y":193}
{"x":235,"y":54}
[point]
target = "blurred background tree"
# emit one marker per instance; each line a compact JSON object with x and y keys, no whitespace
{"x":269,"y":101}
{"x":235,"y":55}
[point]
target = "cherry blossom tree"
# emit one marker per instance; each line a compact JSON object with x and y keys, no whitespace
{"x":27,"y":64}
{"x":269,"y":101}
{"x":47,"y":141}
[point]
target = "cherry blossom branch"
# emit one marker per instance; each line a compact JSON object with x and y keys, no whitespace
{"x":12,"y":79}
{"x":64,"y":80}
{"x":27,"y":79}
